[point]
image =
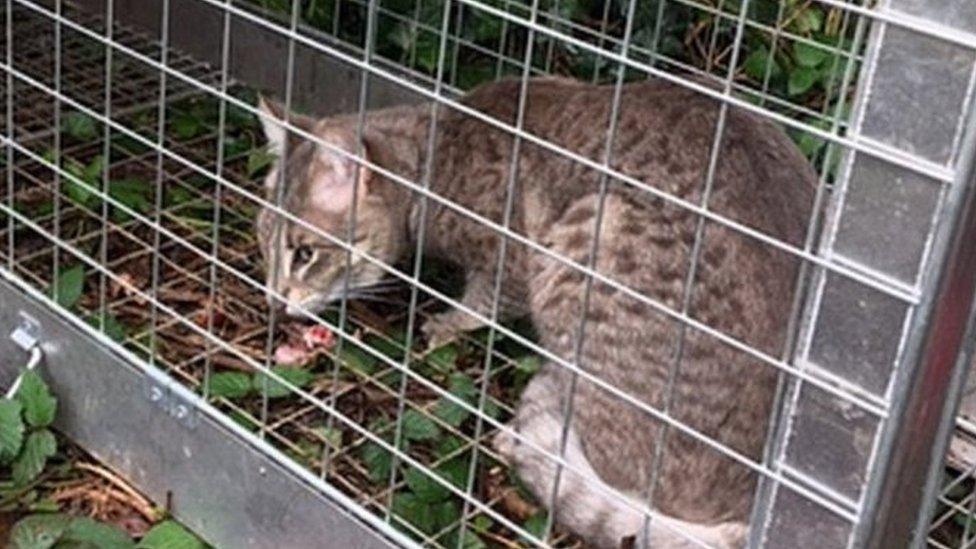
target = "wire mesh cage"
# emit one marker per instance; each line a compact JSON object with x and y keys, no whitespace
{"x":616,"y":273}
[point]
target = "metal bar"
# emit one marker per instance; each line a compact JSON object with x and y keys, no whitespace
{"x":919,"y":431}
{"x":849,"y":269}
{"x":225,"y":484}
{"x":840,"y":511}
{"x":876,"y":408}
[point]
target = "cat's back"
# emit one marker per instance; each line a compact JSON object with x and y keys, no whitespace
{"x":662,"y":137}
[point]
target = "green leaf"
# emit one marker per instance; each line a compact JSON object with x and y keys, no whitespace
{"x":39,"y":531}
{"x":230,"y":385}
{"x":424,"y":487}
{"x":391,"y":347}
{"x":276,"y":389}
{"x":186,"y":126}
{"x":454,"y":471}
{"x":810,"y":20}
{"x":170,"y":535}
{"x":810,"y":145}
{"x":807,"y":55}
{"x":801,"y":80}
{"x":258,"y":160}
{"x":411,"y":509}
{"x":758,"y":62}
{"x":89,"y":175}
{"x":39,"y":405}
{"x":39,"y":446}
{"x":451,"y":412}
{"x":378,"y":460}
{"x":84,"y":532}
{"x":11,"y":429}
{"x":357,"y":359}
{"x":491,"y":409}
{"x":536,"y":524}
{"x":448,"y":445}
{"x":76,"y":192}
{"x":233,"y":146}
{"x":332,"y":436}
{"x":444,"y":514}
{"x":481,"y":523}
{"x":79,"y":126}
{"x":45,"y":505}
{"x":525,"y":368}
{"x":443,"y":357}
{"x":530,"y":364}
{"x":113,"y":328}
{"x":131,"y":193}
{"x":416,"y":426}
{"x":71,"y":282}
{"x":472,"y":541}
{"x":93,"y":171}
{"x":178,"y":195}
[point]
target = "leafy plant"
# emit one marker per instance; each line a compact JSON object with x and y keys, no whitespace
{"x":794,"y":50}
{"x":26,"y":441}
{"x":62,"y":531}
{"x":186,"y":125}
{"x":417,"y":426}
{"x":90,"y":174}
{"x":134,"y":194}
{"x":169,"y":535}
{"x":26,"y":445}
{"x":71,"y":283}
{"x":378,"y":460}
{"x":258,"y":161}
{"x":235,"y":385}
{"x":536,"y":524}
{"x":79,"y":126}
{"x":443,"y":357}
{"x":113,"y":328}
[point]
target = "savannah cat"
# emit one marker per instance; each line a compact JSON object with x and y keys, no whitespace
{"x":663,"y":138}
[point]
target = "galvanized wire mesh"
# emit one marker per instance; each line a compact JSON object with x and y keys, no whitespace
{"x":134,"y":178}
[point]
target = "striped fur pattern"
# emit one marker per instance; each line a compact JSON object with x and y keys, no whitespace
{"x":620,"y":456}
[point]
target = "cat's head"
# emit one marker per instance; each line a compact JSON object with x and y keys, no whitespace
{"x":323,"y":187}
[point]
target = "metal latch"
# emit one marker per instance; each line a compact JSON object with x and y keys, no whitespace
{"x":27,"y":336}
{"x":172,"y":403}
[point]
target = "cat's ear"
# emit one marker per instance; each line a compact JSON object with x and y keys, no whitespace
{"x":335,"y":179}
{"x":273,"y":114}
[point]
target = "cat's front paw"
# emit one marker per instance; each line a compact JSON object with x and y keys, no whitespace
{"x":443,"y":328}
{"x":504,"y":443}
{"x":438,"y":331}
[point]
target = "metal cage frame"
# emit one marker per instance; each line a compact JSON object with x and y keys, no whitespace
{"x":883,"y":336}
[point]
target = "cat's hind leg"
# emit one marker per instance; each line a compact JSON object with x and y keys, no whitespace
{"x":584,"y":503}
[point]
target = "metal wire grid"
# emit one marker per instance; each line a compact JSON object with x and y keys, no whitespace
{"x":952,"y":525}
{"x":506,"y":63}
{"x":185,"y":262}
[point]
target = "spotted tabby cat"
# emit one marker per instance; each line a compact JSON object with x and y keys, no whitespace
{"x":645,"y":245}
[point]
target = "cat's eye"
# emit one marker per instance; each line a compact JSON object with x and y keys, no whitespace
{"x":303,"y":254}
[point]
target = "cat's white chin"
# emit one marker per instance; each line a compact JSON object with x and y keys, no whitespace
{"x":302,"y":310}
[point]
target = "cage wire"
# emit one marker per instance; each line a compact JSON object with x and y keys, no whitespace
{"x":134,"y":176}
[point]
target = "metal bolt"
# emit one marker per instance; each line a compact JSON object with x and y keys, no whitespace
{"x":26,"y":335}
{"x":181,"y":411}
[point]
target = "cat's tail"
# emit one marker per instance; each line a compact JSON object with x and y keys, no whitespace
{"x":584,"y":503}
